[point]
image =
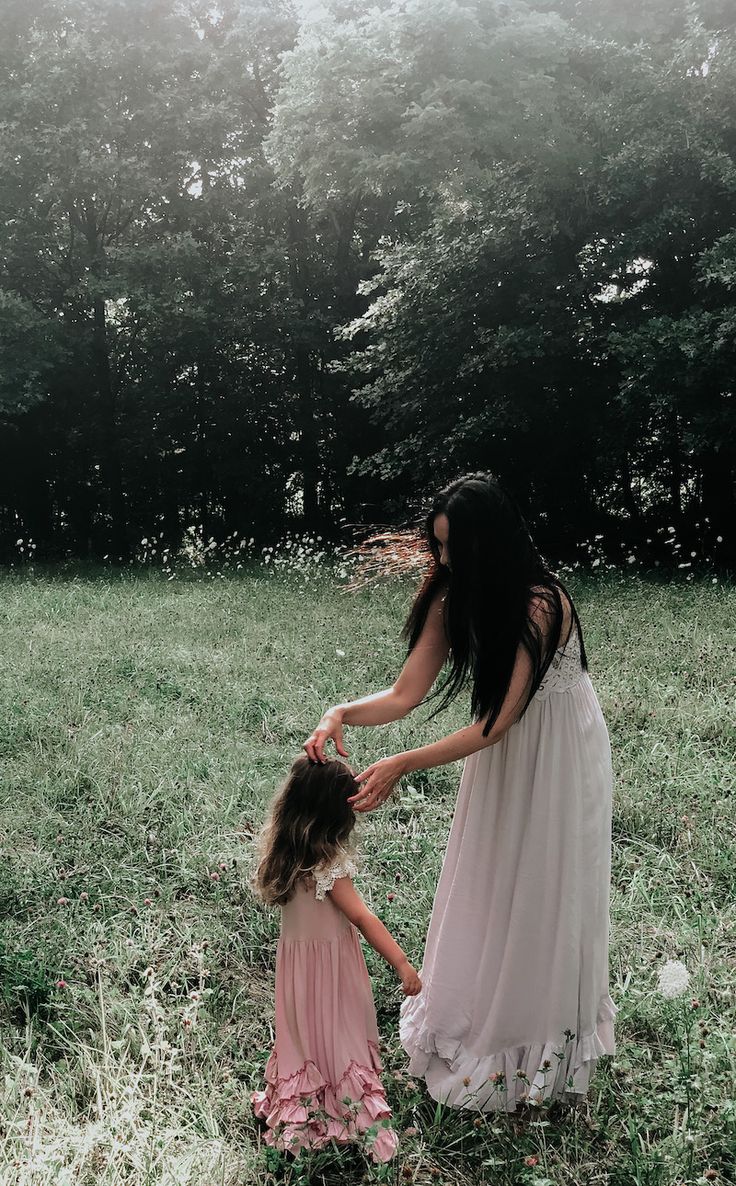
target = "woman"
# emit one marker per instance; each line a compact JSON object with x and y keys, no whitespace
{"x":515,"y":1005}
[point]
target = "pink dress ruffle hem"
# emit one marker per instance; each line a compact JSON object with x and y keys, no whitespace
{"x":304,"y":1111}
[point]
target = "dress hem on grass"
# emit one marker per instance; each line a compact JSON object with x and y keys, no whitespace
{"x":304,"y":1111}
{"x":517,"y":1075}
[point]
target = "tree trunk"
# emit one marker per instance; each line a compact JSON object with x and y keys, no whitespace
{"x":675,"y":471}
{"x":629,"y":498}
{"x":719,"y":501}
{"x":111,"y":446}
{"x":309,"y":439}
{"x":307,"y":420}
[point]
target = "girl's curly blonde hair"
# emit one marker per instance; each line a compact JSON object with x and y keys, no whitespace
{"x":310,"y":821}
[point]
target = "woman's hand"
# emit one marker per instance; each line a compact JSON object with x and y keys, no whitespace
{"x":329,"y":727}
{"x":378,"y":781}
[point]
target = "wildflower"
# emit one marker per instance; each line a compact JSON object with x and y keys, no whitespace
{"x":62,"y":901}
{"x":61,"y":984}
{"x":390,"y":897}
{"x":531,"y":1160}
{"x":466,"y":1082}
{"x":84,"y":896}
{"x":710,"y":1175}
{"x":147,"y":902}
{"x":223,"y":864}
{"x":673,"y":979}
{"x":478,"y":1123}
{"x":411,"y":1131}
{"x":214,"y":876}
{"x":546,"y":1064}
{"x":340,"y":654}
{"x":695,"y":1003}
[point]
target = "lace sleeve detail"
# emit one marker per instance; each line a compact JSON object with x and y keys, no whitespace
{"x":325,"y":876}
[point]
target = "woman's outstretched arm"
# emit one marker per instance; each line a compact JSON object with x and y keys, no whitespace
{"x":378,"y":780}
{"x":413,"y":683}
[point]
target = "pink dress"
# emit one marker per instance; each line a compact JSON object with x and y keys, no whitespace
{"x":322,"y":1078}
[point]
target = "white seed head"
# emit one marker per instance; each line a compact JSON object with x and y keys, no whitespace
{"x":674,"y":979}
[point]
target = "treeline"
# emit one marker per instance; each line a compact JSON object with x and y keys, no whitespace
{"x":264,"y":270}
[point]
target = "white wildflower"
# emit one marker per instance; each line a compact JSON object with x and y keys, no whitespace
{"x":340,"y":654}
{"x":674,"y":979}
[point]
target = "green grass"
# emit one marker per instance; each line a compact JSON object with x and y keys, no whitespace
{"x":144,"y":725}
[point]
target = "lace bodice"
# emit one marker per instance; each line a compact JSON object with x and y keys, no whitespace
{"x":565,"y":671}
{"x":326,"y":875}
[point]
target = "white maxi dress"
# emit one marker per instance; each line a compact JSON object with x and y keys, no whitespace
{"x":515,"y":1003}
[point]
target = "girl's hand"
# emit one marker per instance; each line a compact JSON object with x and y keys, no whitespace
{"x":410,"y":981}
{"x":378,"y":782}
{"x":329,"y":727}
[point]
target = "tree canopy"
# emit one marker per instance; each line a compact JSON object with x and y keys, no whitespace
{"x":266,"y":269}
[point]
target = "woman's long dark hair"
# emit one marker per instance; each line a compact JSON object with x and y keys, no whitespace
{"x":495,"y":571}
{"x":310,"y":822}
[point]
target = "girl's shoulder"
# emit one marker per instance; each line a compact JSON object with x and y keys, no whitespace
{"x":328,"y":872}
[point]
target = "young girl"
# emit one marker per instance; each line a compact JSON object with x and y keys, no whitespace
{"x":323,"y":1073}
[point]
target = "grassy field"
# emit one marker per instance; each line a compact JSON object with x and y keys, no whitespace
{"x":145,"y":724}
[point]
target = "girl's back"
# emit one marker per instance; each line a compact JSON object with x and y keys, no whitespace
{"x":310,"y":915}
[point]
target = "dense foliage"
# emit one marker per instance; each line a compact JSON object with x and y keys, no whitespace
{"x":265,"y":268}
